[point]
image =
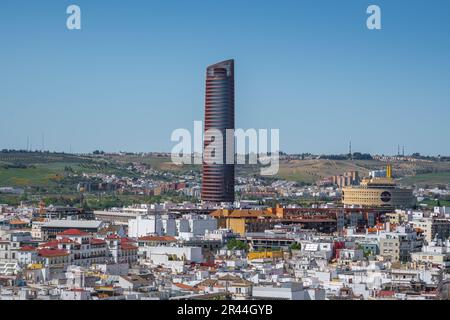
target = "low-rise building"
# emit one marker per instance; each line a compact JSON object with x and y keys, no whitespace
{"x":436,"y":253}
{"x":282,"y":291}
{"x":51,"y":228}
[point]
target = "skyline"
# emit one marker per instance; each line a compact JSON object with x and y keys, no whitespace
{"x":312,"y":71}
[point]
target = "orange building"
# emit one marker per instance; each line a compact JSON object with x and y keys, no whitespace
{"x":242,"y":221}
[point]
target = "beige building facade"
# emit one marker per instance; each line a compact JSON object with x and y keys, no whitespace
{"x":378,"y":192}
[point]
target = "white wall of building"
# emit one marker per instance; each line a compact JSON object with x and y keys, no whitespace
{"x":166,"y":225}
{"x":295,"y":292}
{"x":193,"y":254}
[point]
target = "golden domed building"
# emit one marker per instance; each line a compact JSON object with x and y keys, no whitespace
{"x":379,"y":192}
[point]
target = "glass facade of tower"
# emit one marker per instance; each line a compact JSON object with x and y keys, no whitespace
{"x":218,"y":179}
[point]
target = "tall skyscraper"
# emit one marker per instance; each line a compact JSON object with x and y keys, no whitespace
{"x":218,"y":179}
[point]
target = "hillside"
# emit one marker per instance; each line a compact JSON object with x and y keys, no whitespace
{"x":42,"y":169}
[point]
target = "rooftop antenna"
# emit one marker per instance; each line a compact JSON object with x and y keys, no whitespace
{"x":398,"y":150}
{"x":43,"y":139}
{"x":28,"y":143}
{"x":350,"y":150}
{"x":403,"y":151}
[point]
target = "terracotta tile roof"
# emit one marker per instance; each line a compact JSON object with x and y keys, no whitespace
{"x":53,"y":253}
{"x":67,"y":241}
{"x":210,"y":264}
{"x":50,"y":244}
{"x":385,"y":293}
{"x":235,"y":280}
{"x":113,"y":236}
{"x":17,"y":222}
{"x":127,"y":246}
{"x":185,"y":287}
{"x":230,"y":277}
{"x":27,"y":248}
{"x":54,"y":243}
{"x":207,"y":283}
{"x":97,"y":241}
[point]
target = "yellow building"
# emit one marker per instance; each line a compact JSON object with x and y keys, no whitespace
{"x":378,"y":192}
{"x":243,"y":221}
{"x":264,"y":255}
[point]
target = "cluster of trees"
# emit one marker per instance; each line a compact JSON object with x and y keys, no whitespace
{"x":361,"y":156}
{"x":354,"y":156}
{"x":417,"y":155}
{"x":235,"y":244}
{"x":72,"y":201}
{"x":24,"y":151}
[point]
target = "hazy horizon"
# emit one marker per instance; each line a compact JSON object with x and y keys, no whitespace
{"x":168,"y":152}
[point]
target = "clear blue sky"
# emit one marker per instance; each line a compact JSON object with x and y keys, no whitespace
{"x":135,"y":72}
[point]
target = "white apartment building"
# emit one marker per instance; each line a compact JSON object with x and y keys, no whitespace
{"x":433,"y":227}
{"x":10,"y":245}
{"x":436,"y":253}
{"x":188,"y":254}
{"x":398,"y":245}
{"x":151,"y":225}
{"x":285,"y":291}
{"x":36,"y":231}
{"x":196,"y":225}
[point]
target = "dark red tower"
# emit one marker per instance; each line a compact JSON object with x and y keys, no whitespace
{"x":218,"y":179}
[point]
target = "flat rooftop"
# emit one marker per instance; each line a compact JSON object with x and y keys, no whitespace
{"x":73,"y":224}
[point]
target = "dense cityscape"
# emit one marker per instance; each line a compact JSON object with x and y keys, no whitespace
{"x":138,"y":227}
{"x":224,"y":159}
{"x":249,"y":249}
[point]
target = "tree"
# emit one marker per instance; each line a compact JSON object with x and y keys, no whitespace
{"x":236,"y":245}
{"x":295,"y":246}
{"x":368,"y":253}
